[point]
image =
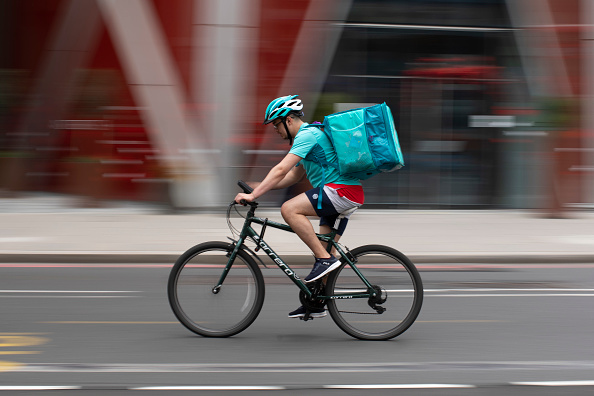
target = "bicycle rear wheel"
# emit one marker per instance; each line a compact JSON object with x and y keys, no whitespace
{"x":211,"y":313}
{"x":394,"y":277}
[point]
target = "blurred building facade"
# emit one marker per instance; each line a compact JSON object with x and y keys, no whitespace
{"x":162,"y":100}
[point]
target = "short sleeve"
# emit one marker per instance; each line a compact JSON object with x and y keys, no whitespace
{"x":303,"y":143}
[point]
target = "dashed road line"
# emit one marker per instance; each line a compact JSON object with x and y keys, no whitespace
{"x":20,"y":340}
{"x":76,"y":294}
{"x":398,"y":386}
{"x":515,"y":295}
{"x":70,"y":291}
{"x":107,"y":322}
{"x":9,"y":366}
{"x":555,"y":383}
{"x":38,"y":388}
{"x":211,"y":387}
{"x":587,"y":383}
{"x":332,"y":367}
{"x":510,"y":292}
{"x":69,"y":296}
{"x":20,"y":352}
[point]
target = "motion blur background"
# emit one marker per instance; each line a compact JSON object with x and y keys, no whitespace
{"x":162,"y":101}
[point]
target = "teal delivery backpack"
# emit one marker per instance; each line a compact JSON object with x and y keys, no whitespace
{"x":365,"y":140}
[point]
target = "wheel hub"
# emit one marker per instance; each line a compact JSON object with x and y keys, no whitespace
{"x":379,"y":298}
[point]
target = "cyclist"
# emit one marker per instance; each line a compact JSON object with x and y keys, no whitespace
{"x":341,"y":195}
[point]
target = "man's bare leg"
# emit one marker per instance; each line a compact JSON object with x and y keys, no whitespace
{"x":325,"y":229}
{"x":295,"y":212}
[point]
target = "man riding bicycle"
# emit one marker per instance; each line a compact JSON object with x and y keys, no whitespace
{"x":340,"y":195}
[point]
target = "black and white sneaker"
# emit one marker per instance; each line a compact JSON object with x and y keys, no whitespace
{"x":321,"y":268}
{"x":314,"y":313}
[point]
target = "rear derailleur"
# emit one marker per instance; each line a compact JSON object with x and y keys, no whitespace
{"x":380,"y":296}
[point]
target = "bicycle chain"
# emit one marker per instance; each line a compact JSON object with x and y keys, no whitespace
{"x":360,"y":313}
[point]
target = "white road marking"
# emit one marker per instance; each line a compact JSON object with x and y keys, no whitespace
{"x":209,"y":387}
{"x":398,"y":386}
{"x":555,"y":383}
{"x":287,"y":387}
{"x":510,"y":292}
{"x":67,"y":293}
{"x":505,"y":289}
{"x":70,"y":296}
{"x":35,"y":388}
{"x":515,"y":295}
{"x":70,"y":291}
{"x":272,"y":367}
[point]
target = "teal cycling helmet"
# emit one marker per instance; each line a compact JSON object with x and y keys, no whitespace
{"x":282,"y":107}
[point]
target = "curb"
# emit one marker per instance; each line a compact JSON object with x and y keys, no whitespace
{"x":293,"y":260}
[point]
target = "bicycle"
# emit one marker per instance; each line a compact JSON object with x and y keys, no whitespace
{"x":216,"y":289}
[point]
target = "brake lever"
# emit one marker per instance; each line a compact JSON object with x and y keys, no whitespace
{"x":243,"y":202}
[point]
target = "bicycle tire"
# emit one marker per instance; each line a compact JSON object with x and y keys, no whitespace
{"x":397,"y":277}
{"x":215,"y":314}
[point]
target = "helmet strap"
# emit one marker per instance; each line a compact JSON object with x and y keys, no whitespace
{"x":288,"y":133}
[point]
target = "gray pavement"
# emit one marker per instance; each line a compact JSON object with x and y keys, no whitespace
{"x":51,"y":228}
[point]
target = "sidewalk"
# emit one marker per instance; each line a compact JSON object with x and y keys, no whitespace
{"x":47,"y":229}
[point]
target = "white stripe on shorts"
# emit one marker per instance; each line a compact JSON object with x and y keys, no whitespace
{"x":343,"y":205}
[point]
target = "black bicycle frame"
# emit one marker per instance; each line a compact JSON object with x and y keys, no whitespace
{"x":248,"y":232}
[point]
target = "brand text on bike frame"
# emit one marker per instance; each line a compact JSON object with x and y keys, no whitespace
{"x":249,"y":232}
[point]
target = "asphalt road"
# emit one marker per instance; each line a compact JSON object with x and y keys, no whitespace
{"x":100,"y":328}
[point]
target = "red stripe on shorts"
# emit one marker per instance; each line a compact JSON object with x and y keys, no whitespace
{"x":352,"y":193}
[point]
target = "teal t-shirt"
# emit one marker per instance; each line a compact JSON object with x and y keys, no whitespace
{"x":312,"y":138}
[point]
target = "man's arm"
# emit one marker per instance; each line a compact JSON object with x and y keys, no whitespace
{"x":281,"y":175}
{"x":294,"y":176}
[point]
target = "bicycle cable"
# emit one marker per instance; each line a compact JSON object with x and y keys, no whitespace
{"x":234,"y":231}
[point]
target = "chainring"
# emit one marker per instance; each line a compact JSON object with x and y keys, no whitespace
{"x":311,"y":302}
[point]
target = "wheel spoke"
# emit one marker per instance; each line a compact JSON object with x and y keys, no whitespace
{"x":209,"y":310}
{"x":392,"y":274}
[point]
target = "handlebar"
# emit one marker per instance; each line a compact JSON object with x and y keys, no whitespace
{"x":244,"y":186}
{"x":247,"y":190}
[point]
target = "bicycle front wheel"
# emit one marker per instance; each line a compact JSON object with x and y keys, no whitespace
{"x":209,"y":312}
{"x":397,"y":283}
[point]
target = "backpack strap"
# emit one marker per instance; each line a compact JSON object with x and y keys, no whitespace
{"x":320,"y":158}
{"x":317,"y":155}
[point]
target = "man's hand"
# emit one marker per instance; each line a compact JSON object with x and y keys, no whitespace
{"x":246,"y":197}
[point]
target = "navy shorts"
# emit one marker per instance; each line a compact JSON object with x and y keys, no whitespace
{"x":328,"y":214}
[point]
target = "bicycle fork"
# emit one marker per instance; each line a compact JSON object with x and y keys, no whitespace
{"x":231,"y":255}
